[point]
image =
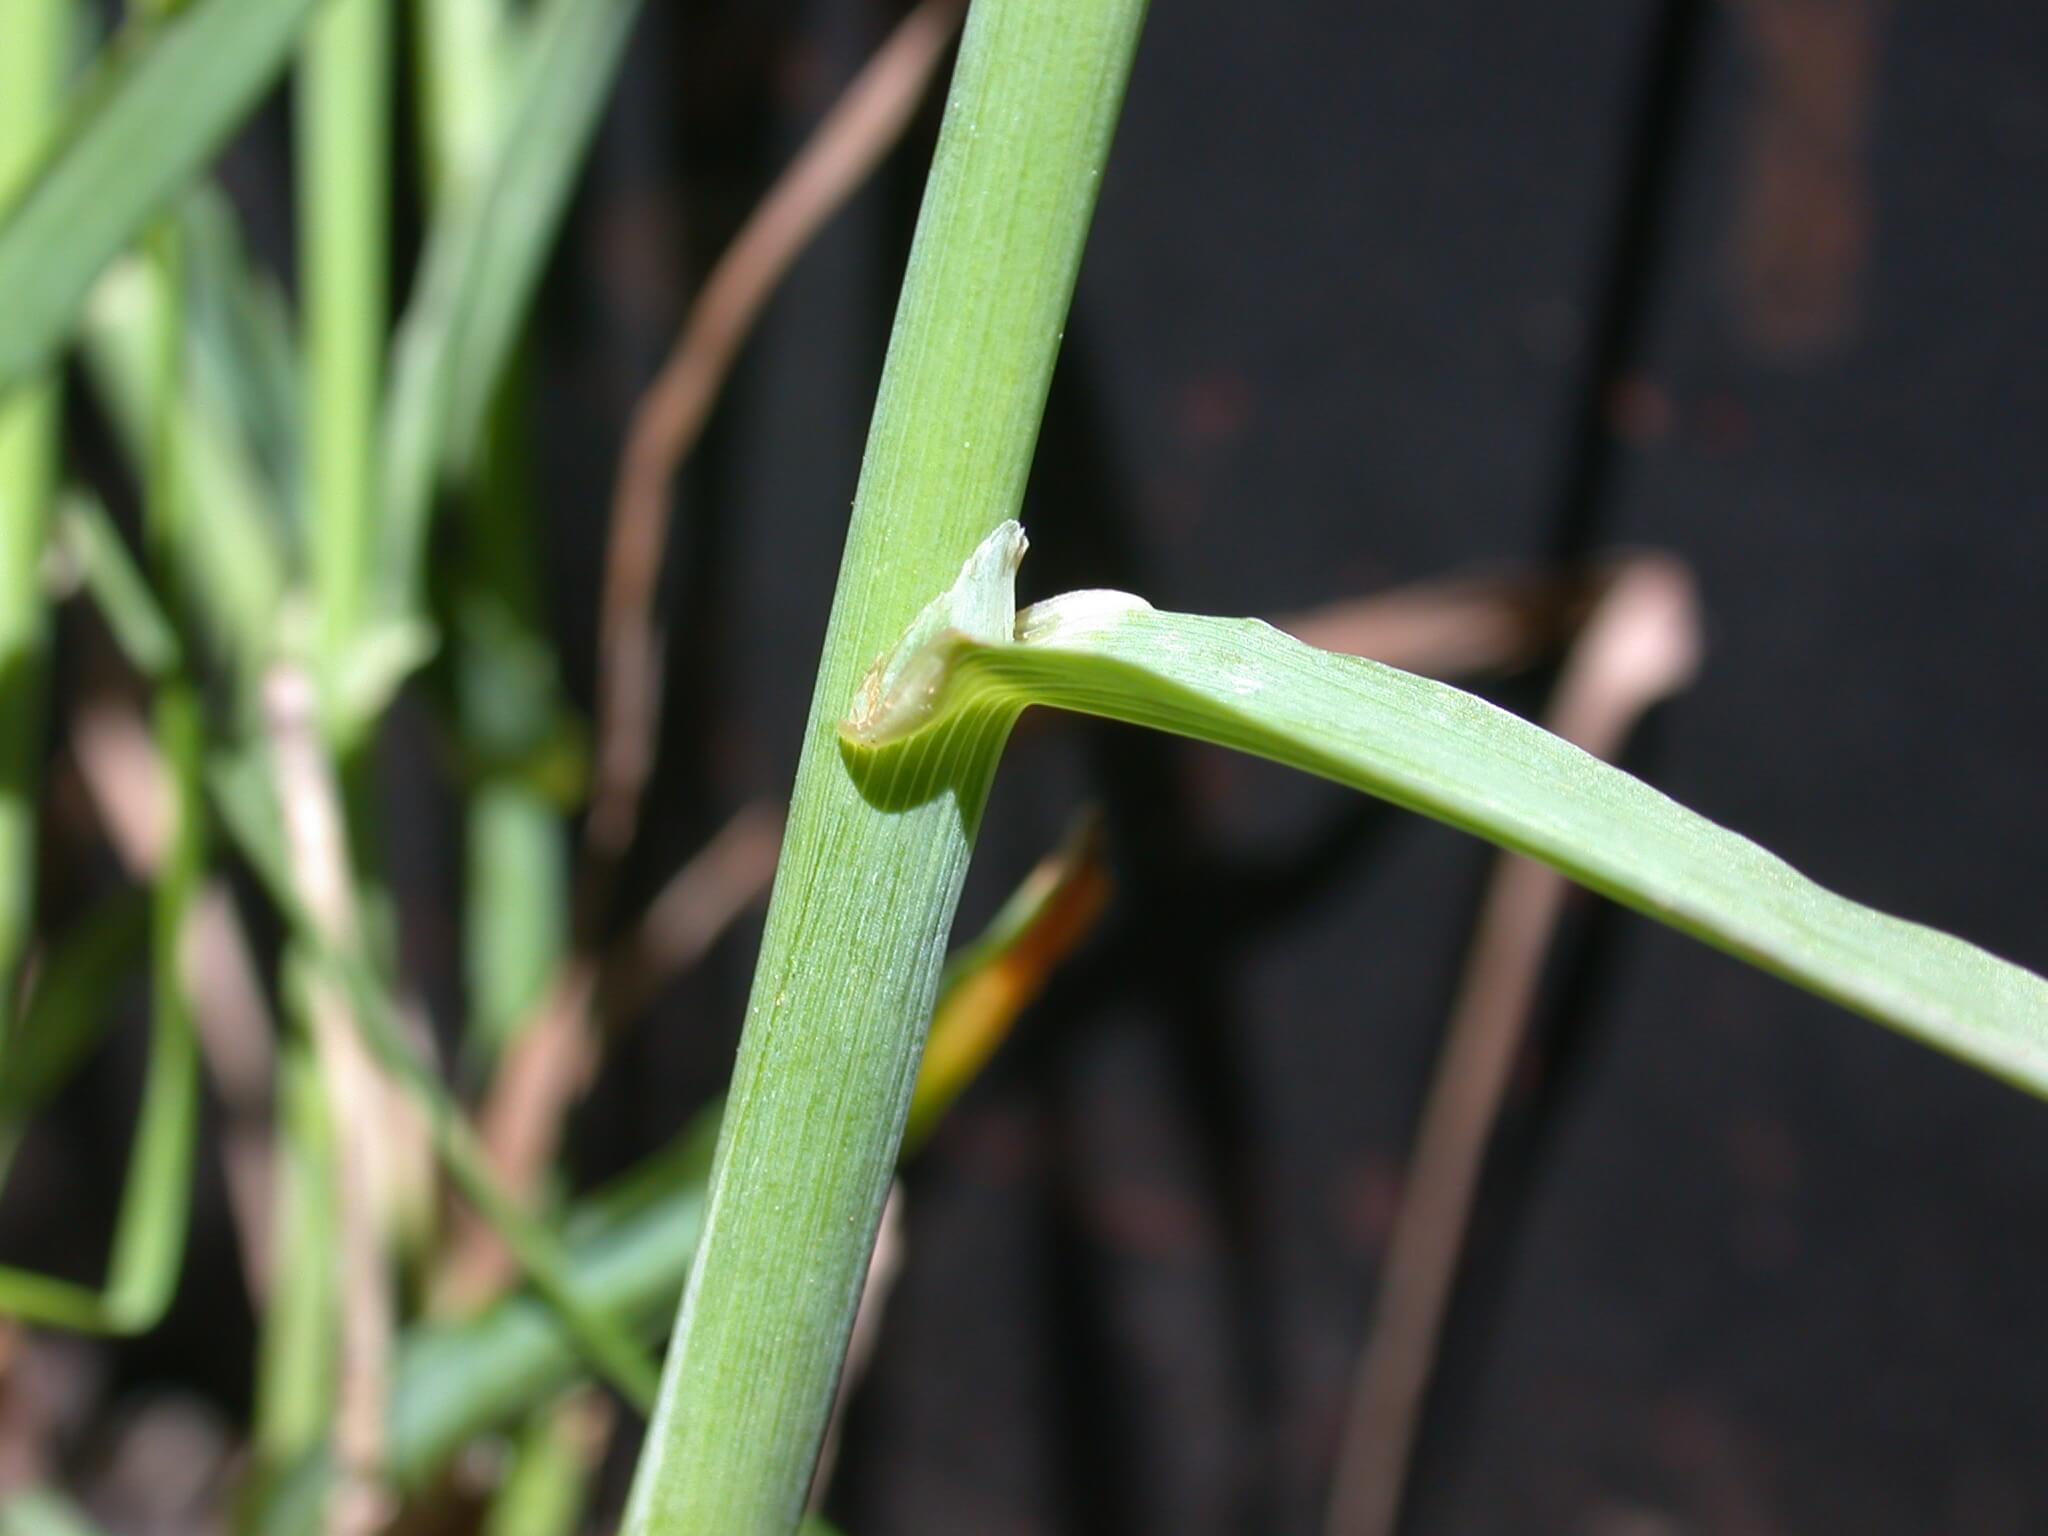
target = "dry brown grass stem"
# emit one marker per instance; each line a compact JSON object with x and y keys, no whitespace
{"x":358,"y":1103}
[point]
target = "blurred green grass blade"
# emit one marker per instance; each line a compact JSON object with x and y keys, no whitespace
{"x":33,"y":48}
{"x":71,"y":1005}
{"x":149,"y":1228}
{"x":242,"y":348}
{"x":608,"y":1345}
{"x":150,"y":1242}
{"x":141,"y":1285}
{"x":41,"y":1511}
{"x":115,"y":583}
{"x":1430,"y":748}
{"x":515,"y":924}
{"x":523,"y":746}
{"x":508,"y":699}
{"x":482,"y":262}
{"x":598,"y":1336}
{"x":141,"y":133}
{"x":234,"y":576}
{"x":629,"y":1246}
{"x":456,"y":1380}
{"x":295,"y":1358}
{"x":239,"y":781}
{"x":68,"y":1012}
{"x":548,"y":1484}
{"x":460,"y":46}
{"x":342,"y":167}
{"x":628,"y":1251}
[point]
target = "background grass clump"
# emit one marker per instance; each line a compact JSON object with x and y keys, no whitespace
{"x":402,"y":652}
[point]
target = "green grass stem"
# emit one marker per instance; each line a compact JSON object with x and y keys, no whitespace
{"x":864,"y":898}
{"x":295,"y":1360}
{"x":461,"y":49}
{"x":234,"y":578}
{"x":483,"y":259}
{"x":508,"y":698}
{"x":344,"y":171}
{"x":40,"y":1511}
{"x":549,"y":1481}
{"x":145,"y":124}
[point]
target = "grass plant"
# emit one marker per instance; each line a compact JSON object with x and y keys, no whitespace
{"x":277,"y":599}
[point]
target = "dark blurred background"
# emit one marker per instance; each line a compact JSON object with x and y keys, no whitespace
{"x":1380,"y":292}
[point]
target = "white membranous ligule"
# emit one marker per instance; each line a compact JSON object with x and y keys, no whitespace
{"x":1074,"y":616}
{"x":902,"y":690}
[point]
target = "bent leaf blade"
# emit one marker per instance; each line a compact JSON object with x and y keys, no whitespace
{"x":1434,"y":749}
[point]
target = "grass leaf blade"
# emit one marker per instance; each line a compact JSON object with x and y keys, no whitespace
{"x":32,"y":58}
{"x":483,"y":260}
{"x":142,"y":132}
{"x":1431,"y":748}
